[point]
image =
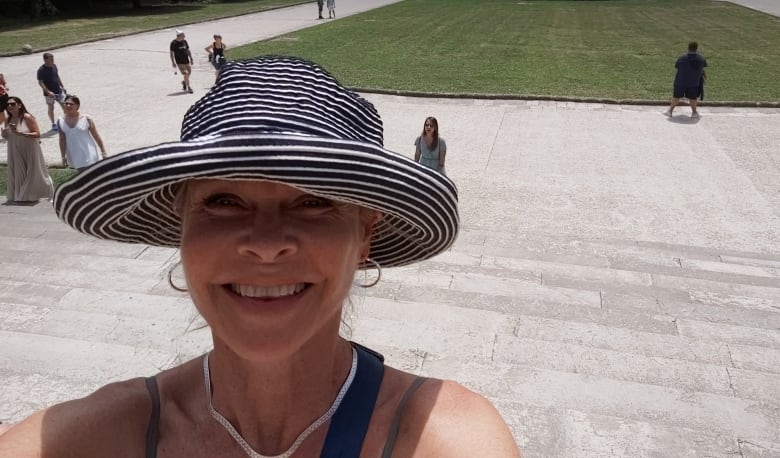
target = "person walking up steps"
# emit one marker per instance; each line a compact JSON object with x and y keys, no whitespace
{"x":181,"y":58}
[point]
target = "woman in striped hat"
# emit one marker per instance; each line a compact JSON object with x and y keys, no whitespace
{"x":278,"y":192}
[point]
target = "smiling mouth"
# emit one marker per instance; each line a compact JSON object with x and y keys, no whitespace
{"x":268,"y":292}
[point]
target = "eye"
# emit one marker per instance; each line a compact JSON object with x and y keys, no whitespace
{"x":222,"y":201}
{"x":315,"y":202}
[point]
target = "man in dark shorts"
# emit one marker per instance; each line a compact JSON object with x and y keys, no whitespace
{"x":689,"y":80}
{"x":181,"y":58}
{"x":319,"y":8}
{"x":53,"y":89}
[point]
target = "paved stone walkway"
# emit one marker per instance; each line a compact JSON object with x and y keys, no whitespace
{"x":765,"y":6}
{"x":615,"y":289}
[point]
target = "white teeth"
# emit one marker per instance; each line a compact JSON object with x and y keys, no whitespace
{"x":267,"y":291}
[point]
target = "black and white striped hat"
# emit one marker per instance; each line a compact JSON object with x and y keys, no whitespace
{"x":280,"y":119}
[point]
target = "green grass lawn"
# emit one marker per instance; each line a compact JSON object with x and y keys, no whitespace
{"x":113,"y":20}
{"x":58,"y":174}
{"x":605,"y":49}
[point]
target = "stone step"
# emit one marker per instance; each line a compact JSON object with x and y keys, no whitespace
{"x":748,"y":420}
{"x":628,"y":256}
{"x":761,"y":359}
{"x":69,"y":276}
{"x":86,"y":247}
{"x":743,"y":313}
{"x":558,"y":432}
{"x":580,"y":247}
{"x":581,"y":359}
{"x":65,"y":356}
{"x":384,"y":322}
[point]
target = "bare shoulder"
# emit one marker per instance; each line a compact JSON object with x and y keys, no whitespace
{"x":111,"y":419}
{"x":444,"y":418}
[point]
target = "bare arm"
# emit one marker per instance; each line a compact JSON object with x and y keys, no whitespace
{"x":446,"y":419}
{"x":45,"y":89}
{"x":63,"y":148}
{"x":113,"y":418}
{"x":93,"y":130}
{"x":32,"y":126}
{"x":442,"y":156}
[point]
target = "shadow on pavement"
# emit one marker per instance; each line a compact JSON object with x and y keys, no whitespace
{"x":683,"y":119}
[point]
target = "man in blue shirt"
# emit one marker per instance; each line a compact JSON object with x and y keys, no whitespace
{"x":689,"y":80}
{"x":53,"y":89}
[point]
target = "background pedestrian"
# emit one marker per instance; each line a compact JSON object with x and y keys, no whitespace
{"x":331,"y":9}
{"x":79,"y":138}
{"x":430,"y":149}
{"x":27,"y":177}
{"x":50,"y":82}
{"x":216,"y":52}
{"x":3,"y":97}
{"x":689,"y":79}
{"x":181,"y":58}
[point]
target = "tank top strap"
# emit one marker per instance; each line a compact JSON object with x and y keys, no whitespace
{"x":154,"y":419}
{"x":349,"y":424}
{"x":393,"y":433}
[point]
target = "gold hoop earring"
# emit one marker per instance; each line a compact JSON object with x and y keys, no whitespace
{"x":378,"y":273}
{"x":170,"y":279}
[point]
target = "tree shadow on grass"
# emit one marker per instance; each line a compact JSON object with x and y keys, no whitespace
{"x":102,"y":11}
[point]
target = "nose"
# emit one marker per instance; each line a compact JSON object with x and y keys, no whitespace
{"x":269,"y":239}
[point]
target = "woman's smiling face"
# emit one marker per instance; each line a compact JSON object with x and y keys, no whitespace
{"x":267,"y":265}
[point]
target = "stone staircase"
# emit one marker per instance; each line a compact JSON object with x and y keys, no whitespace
{"x":596,"y":347}
{"x":587,"y":347}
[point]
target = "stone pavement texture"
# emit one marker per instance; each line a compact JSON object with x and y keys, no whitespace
{"x":615,"y":289}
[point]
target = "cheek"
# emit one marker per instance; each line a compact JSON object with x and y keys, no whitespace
{"x":201,"y":245}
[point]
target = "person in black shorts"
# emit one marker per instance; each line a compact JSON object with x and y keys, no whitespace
{"x":216,"y":52}
{"x":181,"y":58}
{"x":689,"y":80}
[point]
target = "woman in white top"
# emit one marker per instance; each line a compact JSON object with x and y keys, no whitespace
{"x":79,"y":138}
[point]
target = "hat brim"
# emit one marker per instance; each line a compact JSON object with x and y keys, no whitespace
{"x":129,"y":197}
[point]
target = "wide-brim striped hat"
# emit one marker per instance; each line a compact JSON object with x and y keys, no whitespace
{"x":280,"y":119}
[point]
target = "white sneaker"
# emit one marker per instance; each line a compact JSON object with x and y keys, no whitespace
{"x":668,"y":113}
{"x":695,"y":114}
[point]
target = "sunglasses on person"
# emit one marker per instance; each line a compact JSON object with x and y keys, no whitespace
{"x":12,"y":104}
{"x":429,"y":125}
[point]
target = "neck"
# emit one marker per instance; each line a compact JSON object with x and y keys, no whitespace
{"x":271,"y":402}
